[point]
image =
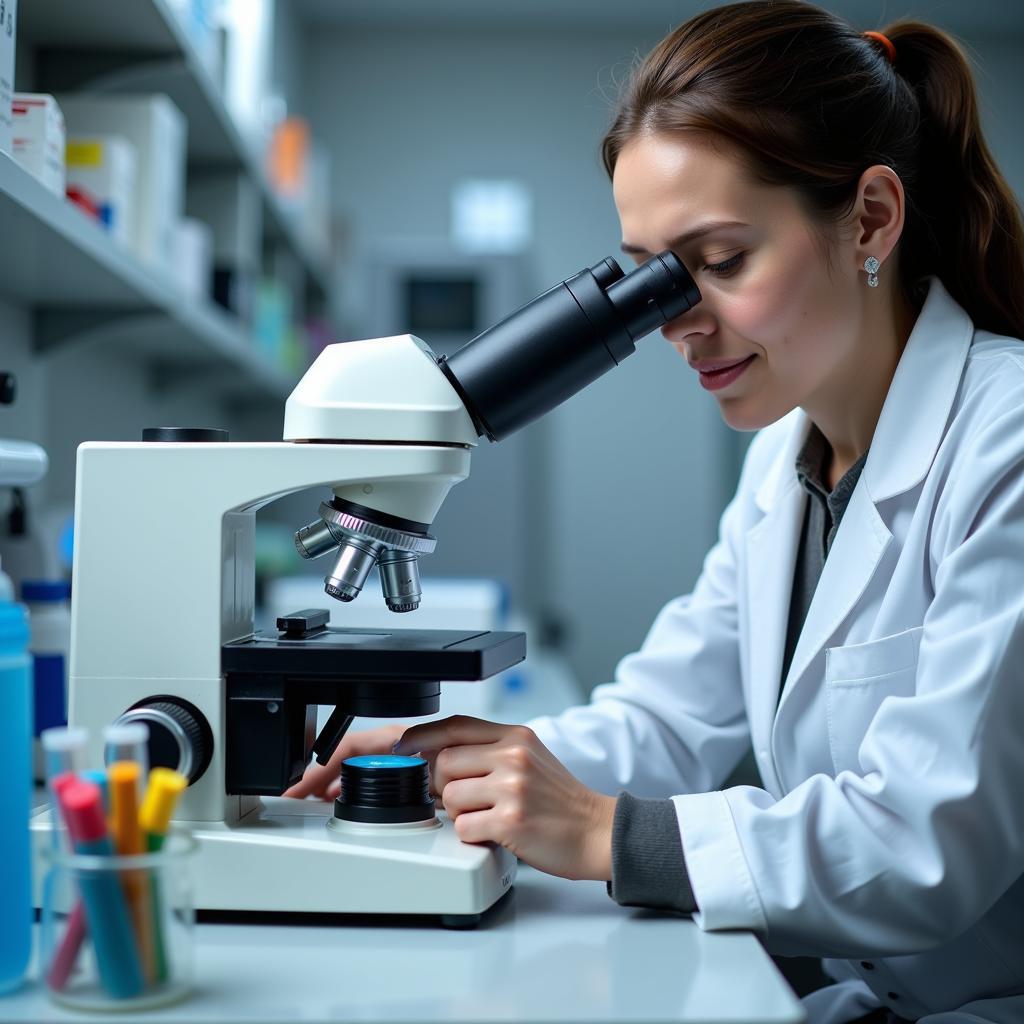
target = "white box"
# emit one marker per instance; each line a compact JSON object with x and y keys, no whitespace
{"x":194,"y":261}
{"x":38,"y":143}
{"x":8,"y":33}
{"x":158,"y":131}
{"x":104,"y":168}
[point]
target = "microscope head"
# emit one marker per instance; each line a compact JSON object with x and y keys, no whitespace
{"x":396,"y":391}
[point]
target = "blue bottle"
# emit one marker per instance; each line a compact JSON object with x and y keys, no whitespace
{"x":15,"y":790}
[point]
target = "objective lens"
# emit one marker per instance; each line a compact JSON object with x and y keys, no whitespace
{"x":400,"y":580}
{"x":353,"y":565}
{"x":384,"y":789}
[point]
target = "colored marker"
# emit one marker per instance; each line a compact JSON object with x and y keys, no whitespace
{"x":74,"y":934}
{"x":162,"y":793}
{"x":117,"y":958}
{"x":123,"y":782}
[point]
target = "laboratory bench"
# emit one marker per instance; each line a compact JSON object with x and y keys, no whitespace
{"x":551,"y":950}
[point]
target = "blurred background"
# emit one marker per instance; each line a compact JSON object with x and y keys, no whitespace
{"x":197,"y":195}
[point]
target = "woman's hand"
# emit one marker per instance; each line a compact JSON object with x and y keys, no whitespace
{"x":500,"y":784}
{"x":322,"y":781}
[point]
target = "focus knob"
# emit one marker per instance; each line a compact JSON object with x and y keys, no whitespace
{"x":179,"y":735}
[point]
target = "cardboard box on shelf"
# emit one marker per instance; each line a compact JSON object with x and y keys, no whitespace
{"x":158,"y":131}
{"x":38,"y":141}
{"x":103,"y":168}
{"x":8,"y":34}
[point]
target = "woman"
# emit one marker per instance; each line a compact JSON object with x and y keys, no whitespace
{"x":861,"y":619}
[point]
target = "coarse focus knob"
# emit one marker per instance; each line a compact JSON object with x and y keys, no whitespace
{"x":179,"y":735}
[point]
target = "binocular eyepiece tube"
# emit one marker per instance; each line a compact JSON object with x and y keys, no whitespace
{"x":555,"y":345}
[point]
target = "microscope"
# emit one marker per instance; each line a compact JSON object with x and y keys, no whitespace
{"x":163,"y":624}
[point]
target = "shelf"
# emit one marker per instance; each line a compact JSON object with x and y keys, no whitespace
{"x":153,"y":54}
{"x":82,"y":285}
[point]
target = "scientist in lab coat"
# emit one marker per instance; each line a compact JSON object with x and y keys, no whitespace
{"x":860,"y":621}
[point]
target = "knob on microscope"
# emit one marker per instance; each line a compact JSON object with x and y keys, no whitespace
{"x":179,"y":735}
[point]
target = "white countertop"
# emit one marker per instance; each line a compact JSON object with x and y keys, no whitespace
{"x":552,"y":951}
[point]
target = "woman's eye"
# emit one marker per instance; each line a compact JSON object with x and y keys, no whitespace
{"x":726,"y":267}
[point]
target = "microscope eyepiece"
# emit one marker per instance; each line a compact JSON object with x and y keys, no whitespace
{"x":555,"y":345}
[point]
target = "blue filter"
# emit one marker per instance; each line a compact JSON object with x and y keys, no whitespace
{"x":15,"y":794}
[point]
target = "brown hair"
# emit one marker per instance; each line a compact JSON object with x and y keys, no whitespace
{"x":811,"y":103}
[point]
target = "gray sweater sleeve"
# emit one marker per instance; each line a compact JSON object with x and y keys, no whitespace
{"x":648,"y":865}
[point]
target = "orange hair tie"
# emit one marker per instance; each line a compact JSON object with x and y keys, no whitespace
{"x":890,"y":50}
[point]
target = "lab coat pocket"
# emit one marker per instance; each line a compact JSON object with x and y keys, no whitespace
{"x":858,"y":678}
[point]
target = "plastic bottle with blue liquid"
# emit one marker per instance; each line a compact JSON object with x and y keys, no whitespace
{"x":15,"y":789}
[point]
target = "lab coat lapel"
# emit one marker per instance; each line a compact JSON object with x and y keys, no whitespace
{"x":909,"y":430}
{"x":771,"y":556}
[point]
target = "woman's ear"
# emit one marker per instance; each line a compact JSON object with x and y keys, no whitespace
{"x":878,"y":213}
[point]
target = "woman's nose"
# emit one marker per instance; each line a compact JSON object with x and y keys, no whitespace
{"x":695,"y":321}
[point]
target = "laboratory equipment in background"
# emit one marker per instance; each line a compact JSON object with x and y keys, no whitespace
{"x":49,"y":609}
{"x":101,"y":177}
{"x":8,"y":35}
{"x":16,"y":791}
{"x":158,"y":131}
{"x":21,"y":463}
{"x":387,"y":427}
{"x":434,"y":290}
{"x":39,"y":136}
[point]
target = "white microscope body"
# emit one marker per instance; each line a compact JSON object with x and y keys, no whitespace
{"x":380,"y":425}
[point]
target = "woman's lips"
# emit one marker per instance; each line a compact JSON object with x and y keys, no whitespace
{"x":715,"y":376}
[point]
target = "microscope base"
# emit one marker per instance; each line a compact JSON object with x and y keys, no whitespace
{"x":292,"y":856}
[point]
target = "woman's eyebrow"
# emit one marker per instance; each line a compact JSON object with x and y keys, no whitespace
{"x":689,"y":236}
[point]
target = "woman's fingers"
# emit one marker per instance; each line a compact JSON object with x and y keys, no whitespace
{"x":460,"y":763}
{"x":458,"y":730}
{"x":321,"y":781}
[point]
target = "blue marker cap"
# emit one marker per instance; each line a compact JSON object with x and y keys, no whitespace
{"x":98,"y":778}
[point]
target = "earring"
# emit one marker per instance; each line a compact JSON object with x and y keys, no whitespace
{"x":871,"y":265}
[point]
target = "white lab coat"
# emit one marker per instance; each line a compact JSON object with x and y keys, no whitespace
{"x":890,"y":829}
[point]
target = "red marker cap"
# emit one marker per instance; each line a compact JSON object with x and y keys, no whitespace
{"x":60,"y":782}
{"x":82,"y":805}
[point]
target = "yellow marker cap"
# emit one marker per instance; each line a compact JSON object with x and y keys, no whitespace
{"x":123,"y":783}
{"x":165,"y":786}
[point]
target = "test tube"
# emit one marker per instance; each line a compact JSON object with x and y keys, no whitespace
{"x":63,"y":754}
{"x":128,"y":741}
{"x":63,"y":751}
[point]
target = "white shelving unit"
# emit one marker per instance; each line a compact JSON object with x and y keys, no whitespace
{"x":80,"y":283}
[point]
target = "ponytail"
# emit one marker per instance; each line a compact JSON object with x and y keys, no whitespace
{"x":967,"y":227}
{"x":811,"y":103}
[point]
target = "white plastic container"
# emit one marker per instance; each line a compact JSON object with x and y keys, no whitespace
{"x":39,"y":138}
{"x":49,"y":612}
{"x":103,"y":167}
{"x":158,"y":131}
{"x":8,"y":33}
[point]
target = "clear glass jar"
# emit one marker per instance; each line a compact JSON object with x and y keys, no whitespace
{"x":117,"y":933}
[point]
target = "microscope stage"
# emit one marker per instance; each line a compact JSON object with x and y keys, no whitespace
{"x":402,"y":655}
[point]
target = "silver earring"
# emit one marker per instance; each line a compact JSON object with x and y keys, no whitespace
{"x":871,"y":265}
